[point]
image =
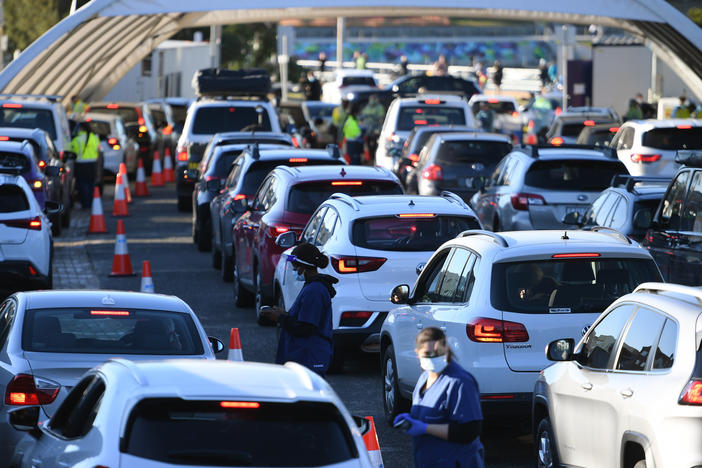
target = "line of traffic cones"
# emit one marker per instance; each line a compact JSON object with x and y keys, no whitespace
{"x":120,"y":207}
{"x":156,"y":173}
{"x":97,"y":218}
{"x":234,"y":353}
{"x":168,"y":172}
{"x":121,"y":262}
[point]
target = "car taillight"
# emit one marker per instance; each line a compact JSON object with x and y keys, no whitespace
{"x":521,"y":201}
{"x":354,"y":318}
{"x":25,"y":223}
{"x":41,"y":164}
{"x":692,"y":394}
{"x":274,"y":231}
{"x":356,"y":264}
{"x":645,"y":158}
{"x":487,"y":330}
{"x":37,"y":185}
{"x":433,"y":172}
{"x":589,"y":123}
{"x":167,"y":130}
{"x":414,"y":157}
{"x":515,"y":114}
{"x":210,"y":177}
{"x":556,"y":141}
{"x":182,"y":156}
{"x":112,"y":141}
{"x":240,"y":404}
{"x":25,"y":389}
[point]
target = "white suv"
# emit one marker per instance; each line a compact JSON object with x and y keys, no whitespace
{"x":501,"y":298}
{"x":373,"y":242}
{"x":630,"y":394}
{"x":424,"y":109}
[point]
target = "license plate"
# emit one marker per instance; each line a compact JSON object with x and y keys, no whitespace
{"x":193,"y":165}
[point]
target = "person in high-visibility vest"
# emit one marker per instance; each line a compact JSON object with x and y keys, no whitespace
{"x":681,"y":111}
{"x":338,"y":118}
{"x":85,"y":145}
{"x":353,"y":136}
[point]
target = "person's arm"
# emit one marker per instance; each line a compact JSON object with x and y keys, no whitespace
{"x":461,"y":433}
{"x":296,"y":327}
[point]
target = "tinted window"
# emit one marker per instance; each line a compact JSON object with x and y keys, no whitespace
{"x":110,"y":332}
{"x":326,"y":229}
{"x":190,"y":432}
{"x":568,"y":285}
{"x":409,"y":234}
{"x":471,"y":151}
{"x":306,"y":197}
{"x":211,"y":120}
{"x":428,"y":288}
{"x":672,"y":204}
{"x":7,"y":317}
{"x":323,"y":112}
{"x":572,"y":129}
{"x":673,"y":138}
{"x":221,"y":163}
{"x":412,"y":116}
{"x":640,"y":339}
{"x":12,"y":198}
{"x":310,"y":231}
{"x":26,"y":117}
{"x":100,"y":128}
{"x":573,"y":174}
{"x":692,"y":214}
{"x":75,"y":418}
{"x":452,"y":275}
{"x":179,"y":114}
{"x":259,"y":170}
{"x":498,"y":107}
{"x":358,"y":80}
{"x":129,"y":114}
{"x":599,"y":343}
{"x":597,"y":137}
{"x":159,"y":117}
{"x":665,"y":351}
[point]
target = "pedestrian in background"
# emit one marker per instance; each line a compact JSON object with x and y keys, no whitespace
{"x":485,"y":117}
{"x":312,"y":87}
{"x":440,"y":67}
{"x":633,"y":112}
{"x":497,"y":75}
{"x":85,"y":145}
{"x":543,"y":73}
{"x":445,"y":420}
{"x":681,"y":111}
{"x":306,"y":328}
{"x":322,"y":62}
{"x":339,"y":115}
{"x":404,"y":66}
{"x":353,"y":136}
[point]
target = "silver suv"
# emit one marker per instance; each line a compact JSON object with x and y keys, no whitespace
{"x":535,"y":188}
{"x":630,"y":393}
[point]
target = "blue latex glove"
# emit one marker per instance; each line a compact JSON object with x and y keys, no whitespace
{"x":417,"y":427}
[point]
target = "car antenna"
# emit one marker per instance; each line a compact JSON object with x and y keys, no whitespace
{"x":565,"y":236}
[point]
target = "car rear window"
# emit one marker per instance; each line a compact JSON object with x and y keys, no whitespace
{"x":471,"y":151}
{"x":568,"y":285}
{"x":12,"y":198}
{"x":26,"y":117}
{"x":573,"y":175}
{"x":572,"y":129}
{"x":100,"y":128}
{"x":306,"y":197}
{"x":159,"y":117}
{"x":600,"y":137}
{"x":259,"y":170}
{"x":357,"y":80}
{"x":323,"y":112}
{"x":14,"y":161}
{"x":415,"y":234}
{"x":110,"y":331}
{"x":208,"y":433}
{"x":218,"y":119}
{"x":413,"y":116}
{"x":129,"y":114}
{"x":673,"y":138}
{"x":179,"y":114}
{"x":498,"y":107}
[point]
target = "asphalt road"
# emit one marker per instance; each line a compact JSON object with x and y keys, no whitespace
{"x":157,"y":232}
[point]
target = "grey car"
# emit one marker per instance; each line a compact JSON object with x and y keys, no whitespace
{"x":535,"y":188}
{"x":49,"y":339}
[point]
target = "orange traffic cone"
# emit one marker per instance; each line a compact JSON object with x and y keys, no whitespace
{"x":120,"y":205}
{"x":371,"y":440}
{"x":234,"y":353}
{"x":97,"y":218}
{"x":121,"y":263}
{"x":147,"y":283}
{"x":125,"y":182}
{"x":156,"y":175}
{"x":168,"y":174}
{"x":140,"y":189}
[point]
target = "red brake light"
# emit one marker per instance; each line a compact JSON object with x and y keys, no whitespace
{"x":114,"y":106}
{"x":684,"y":127}
{"x":432,"y":101}
{"x":589,"y":123}
{"x":420,"y":122}
{"x":487,"y":330}
{"x":531,"y":139}
{"x":363,"y":314}
{"x":35,"y":223}
{"x":346,"y":182}
{"x":112,"y":141}
{"x":433,"y":172}
{"x":556,"y":141}
{"x":558,"y":110}
{"x":416,"y":215}
{"x":356,"y":264}
{"x":692,"y":394}
{"x":41,"y":164}
{"x":4,"y":138}
{"x":502,"y":396}
{"x":25,"y":389}
{"x":183,"y":156}
{"x":298,"y":160}
{"x":141,"y":120}
{"x":576,"y":255}
{"x":240,"y":404}
{"x":32,"y":271}
{"x":414,"y":157}
{"x":515,"y":114}
{"x":12,"y":105}
{"x":273,"y":231}
{"x":209,"y":178}
{"x":493,"y":101}
{"x":118,"y":313}
{"x":530,"y":125}
{"x":241,"y":196}
{"x":613,"y":129}
{"x":26,"y":223}
{"x":645,"y":158}
{"x":521,"y":201}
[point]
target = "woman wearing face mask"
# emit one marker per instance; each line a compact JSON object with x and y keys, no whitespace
{"x":306,"y":328}
{"x":445,"y":420}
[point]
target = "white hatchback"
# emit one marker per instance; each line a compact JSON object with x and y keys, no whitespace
{"x":373,"y":243}
{"x":630,"y":393}
{"x":501,"y":298}
{"x":197,"y":413}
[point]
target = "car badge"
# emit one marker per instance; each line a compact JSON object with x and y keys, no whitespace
{"x":478,"y":166}
{"x":582,"y":197}
{"x":585,"y":329}
{"x":343,"y":172}
{"x":420,"y":267}
{"x":107,"y":300}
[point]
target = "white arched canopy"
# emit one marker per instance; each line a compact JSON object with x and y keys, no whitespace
{"x":92,"y":49}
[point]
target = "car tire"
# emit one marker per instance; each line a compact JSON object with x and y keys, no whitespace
{"x":242,"y":297}
{"x":216,"y":258}
{"x":227,"y":267}
{"x":184,"y":204}
{"x":258,"y":300}
{"x":204,"y":236}
{"x":393,"y":401}
{"x":56,"y":225}
{"x":545,"y":446}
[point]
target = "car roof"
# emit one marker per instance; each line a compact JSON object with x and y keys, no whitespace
{"x":350,"y":72}
{"x":214,"y":102}
{"x":119,"y":103}
{"x":30,"y":102}
{"x":474,"y":135}
{"x":251,"y":136}
{"x":447,"y":98}
{"x":241,"y":147}
{"x":313,"y":173}
{"x":318,"y":104}
{"x":12,"y":179}
{"x":371,"y":205}
{"x":222,"y":379}
{"x":585,"y":116}
{"x":490,"y":97}
{"x":547,"y":154}
{"x":23,"y":132}
{"x":680,"y":301}
{"x":647,"y":192}
{"x":19,"y":147}
{"x":102,"y":298}
{"x":280,"y":152}
{"x":667,"y":123}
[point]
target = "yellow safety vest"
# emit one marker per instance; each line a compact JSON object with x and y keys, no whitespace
{"x":351,"y":129}
{"x":87,"y":151}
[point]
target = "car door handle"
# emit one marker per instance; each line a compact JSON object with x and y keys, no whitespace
{"x":626,"y":392}
{"x":586,"y":386}
{"x":420,"y":325}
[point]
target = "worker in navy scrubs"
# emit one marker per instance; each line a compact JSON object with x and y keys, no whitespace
{"x":306,"y":329}
{"x":445,"y":420}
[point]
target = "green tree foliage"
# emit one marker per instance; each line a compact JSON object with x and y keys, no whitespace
{"x":695,"y":14}
{"x":26,"y":20}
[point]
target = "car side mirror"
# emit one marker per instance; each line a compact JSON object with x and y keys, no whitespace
{"x":52,"y":208}
{"x":400,"y":294}
{"x":642,"y":219}
{"x":217,"y":345}
{"x":213,"y":185}
{"x":26,"y":419}
{"x":286,"y":239}
{"x":363,"y":424}
{"x":52,"y":171}
{"x":572,"y":218}
{"x":192,"y":174}
{"x":560,"y":350}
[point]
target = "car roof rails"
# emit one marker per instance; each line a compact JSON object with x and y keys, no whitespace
{"x":630,"y":181}
{"x":235,"y":97}
{"x":348,"y":199}
{"x":529,"y":150}
{"x":657,"y":288}
{"x":606,"y":150}
{"x":453,"y":198}
{"x":689,"y":158}
{"x":254,"y":150}
{"x":48,"y":97}
{"x":334,"y":151}
{"x":612,"y":232}
{"x":501,"y":241}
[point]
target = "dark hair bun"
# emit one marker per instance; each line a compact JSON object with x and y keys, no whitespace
{"x":321,"y":260}
{"x":310,"y":254}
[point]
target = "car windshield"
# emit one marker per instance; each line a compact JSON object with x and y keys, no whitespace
{"x":457,"y":152}
{"x":573,"y":174}
{"x":259,"y":170}
{"x":568,"y":285}
{"x":214,"y":433}
{"x":413,"y":116}
{"x":12,"y":198}
{"x":218,"y":119}
{"x":129,"y":114}
{"x":414,"y":234}
{"x":26,"y":117}
{"x":110,"y":331}
{"x":306,"y":197}
{"x":673,"y":138}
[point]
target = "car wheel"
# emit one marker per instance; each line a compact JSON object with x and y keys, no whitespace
{"x":216,"y":258}
{"x":258,"y":300}
{"x":546,"y":454}
{"x":226,"y":267}
{"x":640,"y":464}
{"x":393,"y":401}
{"x":204,"y":237}
{"x":184,"y":204}
{"x":242,"y":297}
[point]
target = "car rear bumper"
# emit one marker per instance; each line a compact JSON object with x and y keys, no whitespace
{"x":16,"y":275}
{"x":184,"y":186}
{"x":506,"y":406}
{"x":367,"y":337}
